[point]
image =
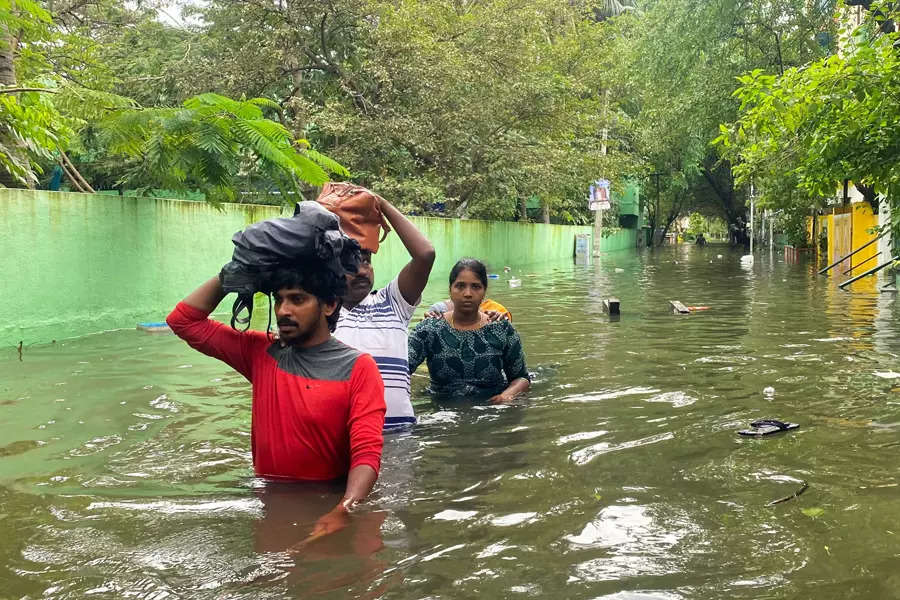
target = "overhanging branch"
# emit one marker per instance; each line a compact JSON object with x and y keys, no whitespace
{"x":16,"y":90}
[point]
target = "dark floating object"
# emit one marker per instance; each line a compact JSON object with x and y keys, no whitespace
{"x":802,"y":489}
{"x":678,"y":308}
{"x":611,"y":306}
{"x":767,"y":427}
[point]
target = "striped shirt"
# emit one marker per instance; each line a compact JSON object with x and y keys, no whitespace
{"x":379,"y":325}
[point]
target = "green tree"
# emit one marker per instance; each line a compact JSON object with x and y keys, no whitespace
{"x":677,"y":71}
{"x":60,"y":78}
{"x":815,"y":126}
{"x":474,"y":105}
{"x":696,"y":224}
{"x":28,"y":124}
{"x":210,"y":144}
{"x":47,"y":92}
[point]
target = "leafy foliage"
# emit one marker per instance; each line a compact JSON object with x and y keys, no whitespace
{"x":456,"y":106}
{"x":677,"y":69}
{"x":44,"y":101}
{"x":696,"y":224}
{"x":209,"y":143}
{"x":817,"y":125}
{"x":469,"y":106}
{"x":32,"y":130}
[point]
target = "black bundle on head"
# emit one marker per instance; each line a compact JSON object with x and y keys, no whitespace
{"x":310,"y":241}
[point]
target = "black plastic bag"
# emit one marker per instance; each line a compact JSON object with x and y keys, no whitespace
{"x":311,"y":234}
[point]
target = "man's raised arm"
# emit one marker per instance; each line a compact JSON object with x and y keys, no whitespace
{"x":189,"y":321}
{"x":207,"y":296}
{"x":414,"y":276}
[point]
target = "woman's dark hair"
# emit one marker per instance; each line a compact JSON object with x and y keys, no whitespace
{"x":469,"y":264}
{"x":313,"y":279}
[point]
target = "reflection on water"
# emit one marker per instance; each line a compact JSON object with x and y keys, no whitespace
{"x":125,"y":467}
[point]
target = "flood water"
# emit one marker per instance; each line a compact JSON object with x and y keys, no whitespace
{"x":125,"y":467}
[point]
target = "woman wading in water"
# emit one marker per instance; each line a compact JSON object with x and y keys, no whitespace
{"x":467,"y":354}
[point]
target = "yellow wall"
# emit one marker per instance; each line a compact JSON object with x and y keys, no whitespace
{"x":862,"y":220}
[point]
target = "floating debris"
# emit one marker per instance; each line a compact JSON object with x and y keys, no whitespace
{"x":803,"y":487}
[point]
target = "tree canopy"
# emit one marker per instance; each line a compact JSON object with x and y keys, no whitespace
{"x":820,"y":124}
{"x":461,"y":107}
{"x":676,"y":70}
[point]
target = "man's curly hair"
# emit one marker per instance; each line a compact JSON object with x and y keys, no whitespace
{"x":313,"y":278}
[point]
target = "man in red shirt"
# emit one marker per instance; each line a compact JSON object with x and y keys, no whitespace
{"x":318,"y":405}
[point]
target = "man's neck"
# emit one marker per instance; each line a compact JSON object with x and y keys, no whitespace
{"x":316,"y":339}
{"x":350,"y":305}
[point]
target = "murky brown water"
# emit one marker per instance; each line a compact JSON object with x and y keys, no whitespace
{"x":125,"y":467}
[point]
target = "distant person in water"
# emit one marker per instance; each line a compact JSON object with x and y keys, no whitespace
{"x":701,"y":241}
{"x":467,"y":354}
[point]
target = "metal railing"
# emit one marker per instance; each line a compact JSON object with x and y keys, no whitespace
{"x":866,"y":245}
{"x":871,"y":271}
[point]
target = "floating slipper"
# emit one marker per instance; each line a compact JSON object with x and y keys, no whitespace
{"x":767,"y":427}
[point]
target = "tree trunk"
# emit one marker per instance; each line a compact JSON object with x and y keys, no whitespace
{"x":545,"y":212}
{"x":7,"y":59}
{"x":8,"y":79}
{"x":523,"y":210}
{"x":869,"y":195}
{"x":663,"y":233}
{"x":721,"y":181}
{"x":673,"y":215}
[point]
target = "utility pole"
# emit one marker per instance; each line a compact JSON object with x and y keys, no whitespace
{"x":655,"y":211}
{"x":752,"y":207}
{"x":604,"y":137}
{"x":771,"y":232}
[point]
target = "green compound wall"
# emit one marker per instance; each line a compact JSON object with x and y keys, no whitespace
{"x":73,"y":264}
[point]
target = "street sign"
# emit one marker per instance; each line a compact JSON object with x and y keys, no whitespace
{"x":598,"y":195}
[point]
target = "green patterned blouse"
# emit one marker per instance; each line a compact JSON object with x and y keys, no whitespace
{"x":478,"y":362}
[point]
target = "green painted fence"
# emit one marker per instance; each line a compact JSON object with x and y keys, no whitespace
{"x":74,"y":264}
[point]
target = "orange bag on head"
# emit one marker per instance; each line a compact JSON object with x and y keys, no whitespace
{"x":359,"y":211}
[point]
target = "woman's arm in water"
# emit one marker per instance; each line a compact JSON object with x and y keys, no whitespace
{"x":513,"y":367}
{"x":515,"y":388}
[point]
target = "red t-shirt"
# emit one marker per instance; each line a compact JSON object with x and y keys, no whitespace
{"x":317,"y":412}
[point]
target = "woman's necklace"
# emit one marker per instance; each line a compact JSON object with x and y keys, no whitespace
{"x":478,"y":322}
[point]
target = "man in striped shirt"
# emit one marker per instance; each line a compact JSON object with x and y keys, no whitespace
{"x":377,"y":321}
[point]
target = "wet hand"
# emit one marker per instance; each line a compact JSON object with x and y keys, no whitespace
{"x":331,"y":522}
{"x":334,"y":520}
{"x":433,"y":314}
{"x":500,"y":399}
{"x":495,"y":315}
